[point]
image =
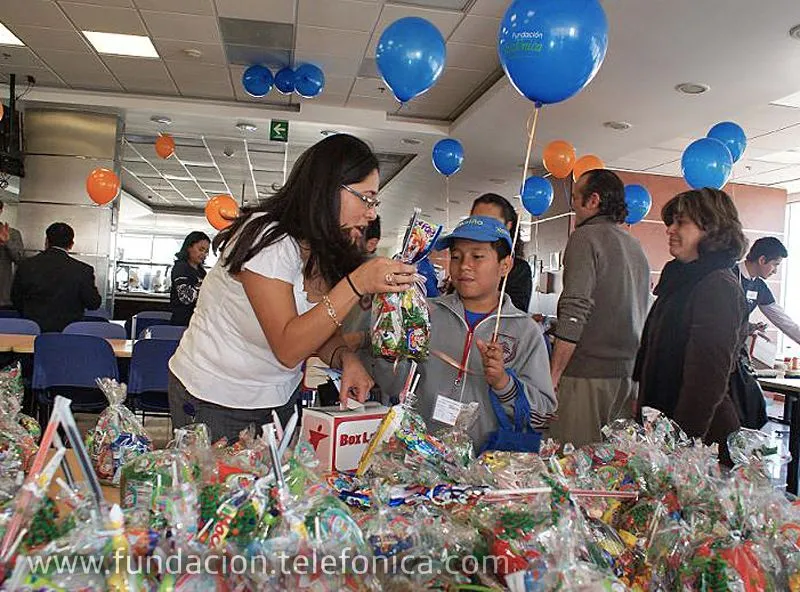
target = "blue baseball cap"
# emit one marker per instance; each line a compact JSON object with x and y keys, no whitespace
{"x":481,"y":229}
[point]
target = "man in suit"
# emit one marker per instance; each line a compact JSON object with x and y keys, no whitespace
{"x":52,"y":288}
{"x":10,"y":254}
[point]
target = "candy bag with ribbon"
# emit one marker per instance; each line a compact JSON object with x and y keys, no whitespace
{"x":400,"y":321}
{"x":118,"y":436}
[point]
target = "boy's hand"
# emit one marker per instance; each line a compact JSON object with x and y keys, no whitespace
{"x":493,"y":367}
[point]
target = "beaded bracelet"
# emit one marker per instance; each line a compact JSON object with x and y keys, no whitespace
{"x":331,"y":311}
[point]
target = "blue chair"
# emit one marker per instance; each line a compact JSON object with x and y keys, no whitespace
{"x":147,"y":318}
{"x":173,"y":332}
{"x":86,"y":319}
{"x":100,"y":313}
{"x":11,"y":326}
{"x":147,"y":382}
{"x":68,"y":365}
{"x":104,"y":330}
{"x":9,"y":313}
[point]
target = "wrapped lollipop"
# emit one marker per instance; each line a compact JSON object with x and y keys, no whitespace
{"x":401,"y":322}
{"x":118,"y":437}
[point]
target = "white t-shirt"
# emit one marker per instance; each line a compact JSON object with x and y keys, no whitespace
{"x":223,"y":357}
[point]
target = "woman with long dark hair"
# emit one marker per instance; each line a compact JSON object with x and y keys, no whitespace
{"x":520,"y":279}
{"x":187,"y":276}
{"x":288,"y":274}
{"x":699,"y":318}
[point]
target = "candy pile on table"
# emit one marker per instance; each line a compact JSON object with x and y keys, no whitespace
{"x":647,"y":509}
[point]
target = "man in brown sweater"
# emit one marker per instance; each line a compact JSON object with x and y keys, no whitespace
{"x":601,"y":313}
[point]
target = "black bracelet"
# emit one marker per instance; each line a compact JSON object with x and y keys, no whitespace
{"x":353,"y":286}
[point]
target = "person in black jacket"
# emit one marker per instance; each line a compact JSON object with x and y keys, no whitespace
{"x":520,"y":279}
{"x":187,"y":276}
{"x":53,"y":288}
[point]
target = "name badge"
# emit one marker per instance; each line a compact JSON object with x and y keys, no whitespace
{"x":752,"y":295}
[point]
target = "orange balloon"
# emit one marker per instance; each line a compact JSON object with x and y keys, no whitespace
{"x":165,"y":145}
{"x":589,"y":162}
{"x":221,"y":211}
{"x":559,"y":158}
{"x":2,"y":110}
{"x":102,"y":185}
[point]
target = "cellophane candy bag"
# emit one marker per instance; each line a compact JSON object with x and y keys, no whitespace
{"x":401,"y":325}
{"x":118,"y":436}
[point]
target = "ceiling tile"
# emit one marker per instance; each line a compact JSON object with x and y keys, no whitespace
{"x":444,"y":20}
{"x":41,"y":38}
{"x":85,"y":79}
{"x":201,"y":7}
{"x":425,"y":111}
{"x":35,"y":13}
{"x":495,"y":8}
{"x":72,"y":61}
{"x":174,"y":51}
{"x":106,"y":19}
{"x":337,"y":85}
{"x":387,"y":104}
{"x":462,"y":78}
{"x":332,"y":42}
{"x":476,"y":57}
{"x":141,"y":76}
{"x":370,"y":87}
{"x":477,"y":30}
{"x":331,"y":65}
{"x":202,"y":80}
{"x":118,"y":3}
{"x":671,"y":168}
{"x":182,"y":27}
{"x":329,"y":99}
{"x":276,"y":11}
{"x":43,"y":76}
{"x":349,"y":15}
{"x":19,"y":56}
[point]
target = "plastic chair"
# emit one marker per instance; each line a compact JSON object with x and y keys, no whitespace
{"x":147,"y":382}
{"x":19,"y":327}
{"x":100,"y":313}
{"x":147,"y":318}
{"x":9,"y":313}
{"x":71,"y":364}
{"x":104,"y":330}
{"x":173,"y":332}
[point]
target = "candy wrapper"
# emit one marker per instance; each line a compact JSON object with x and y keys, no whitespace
{"x":20,"y":433}
{"x":401,"y":321}
{"x":118,"y":437}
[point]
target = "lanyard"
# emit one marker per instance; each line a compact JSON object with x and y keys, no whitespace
{"x":463,"y":367}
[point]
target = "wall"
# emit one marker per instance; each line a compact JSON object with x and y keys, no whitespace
{"x":761,"y":209}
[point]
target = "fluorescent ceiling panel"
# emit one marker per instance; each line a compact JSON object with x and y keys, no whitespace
{"x":138,"y":46}
{"x":7,"y":37}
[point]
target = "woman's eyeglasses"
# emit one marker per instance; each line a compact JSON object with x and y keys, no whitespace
{"x":369,"y":200}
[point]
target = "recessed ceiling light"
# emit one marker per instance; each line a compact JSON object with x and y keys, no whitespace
{"x":411,"y":141}
{"x":161,"y":120}
{"x":7,"y":37}
{"x":191,"y":52}
{"x":794,"y":32}
{"x":692,"y":88}
{"x":618,"y":125}
{"x":498,"y":181}
{"x":246,"y":127}
{"x":327,"y":132}
{"x":138,"y":46}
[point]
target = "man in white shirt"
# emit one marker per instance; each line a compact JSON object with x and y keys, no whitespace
{"x":762,"y":262}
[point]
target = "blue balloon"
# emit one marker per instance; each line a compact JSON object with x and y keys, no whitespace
{"x":551,"y":49}
{"x":284,"y":81}
{"x":537,"y":195}
{"x":448,"y":156}
{"x":410,"y":57}
{"x":257,"y":80}
{"x":638,"y":200}
{"x":309,"y":81}
{"x":732,"y":136}
{"x":706,"y":163}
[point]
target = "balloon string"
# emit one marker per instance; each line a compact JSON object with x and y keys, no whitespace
{"x":447,"y":203}
{"x":535,"y":116}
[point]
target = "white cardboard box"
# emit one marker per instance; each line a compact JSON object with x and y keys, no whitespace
{"x":340,"y":437}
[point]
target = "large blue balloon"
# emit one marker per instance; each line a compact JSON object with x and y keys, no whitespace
{"x":309,"y":81}
{"x":257,"y":80}
{"x":448,"y":156}
{"x":638,"y":200}
{"x":551,"y":49}
{"x":410,"y":57}
{"x":284,"y":81}
{"x":732,"y":136}
{"x":706,"y":163}
{"x":537,"y":195}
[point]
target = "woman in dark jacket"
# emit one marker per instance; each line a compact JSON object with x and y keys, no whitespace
{"x":694,"y":329}
{"x":187,"y":276}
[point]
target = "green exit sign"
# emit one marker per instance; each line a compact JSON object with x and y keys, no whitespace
{"x":279,"y":130}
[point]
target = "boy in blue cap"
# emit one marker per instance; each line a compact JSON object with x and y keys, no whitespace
{"x":467,"y":366}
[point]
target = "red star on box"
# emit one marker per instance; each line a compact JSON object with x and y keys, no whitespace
{"x":316,"y":436}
